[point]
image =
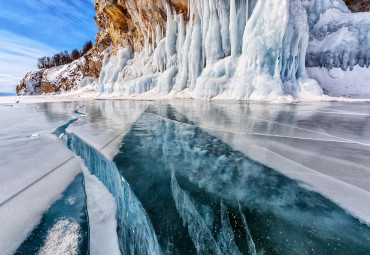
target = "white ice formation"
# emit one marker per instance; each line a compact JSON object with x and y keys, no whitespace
{"x":338,"y":38}
{"x":239,"y":49}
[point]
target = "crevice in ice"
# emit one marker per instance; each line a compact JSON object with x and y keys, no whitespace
{"x":279,"y":210}
{"x":134,"y":229}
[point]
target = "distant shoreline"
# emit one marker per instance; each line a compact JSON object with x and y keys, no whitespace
{"x":7,"y":94}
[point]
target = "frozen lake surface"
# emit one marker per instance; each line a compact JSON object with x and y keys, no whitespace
{"x":184,"y":177}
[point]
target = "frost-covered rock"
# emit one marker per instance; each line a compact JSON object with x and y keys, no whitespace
{"x":242,"y":49}
{"x":31,"y":83}
{"x":338,"y":55}
{"x":61,"y":78}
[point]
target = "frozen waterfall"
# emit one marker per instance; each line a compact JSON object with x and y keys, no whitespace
{"x":237,"y":49}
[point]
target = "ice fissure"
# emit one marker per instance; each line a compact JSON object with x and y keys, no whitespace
{"x":179,"y":190}
{"x":240,"y":49}
{"x":134,"y":230}
{"x":225,"y":201}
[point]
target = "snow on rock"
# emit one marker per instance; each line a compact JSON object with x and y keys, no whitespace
{"x":31,"y":83}
{"x":339,"y":39}
{"x":53,"y":80}
{"x":63,"y":78}
{"x":358,"y":5}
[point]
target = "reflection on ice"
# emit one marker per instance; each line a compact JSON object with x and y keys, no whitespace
{"x":326,"y":146}
{"x":283,"y":217}
{"x":200,"y":178}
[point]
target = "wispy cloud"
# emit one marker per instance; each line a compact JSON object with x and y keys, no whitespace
{"x":18,"y":55}
{"x":35,"y":28}
{"x":64,"y":24}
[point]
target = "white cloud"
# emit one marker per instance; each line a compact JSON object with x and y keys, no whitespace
{"x":18,"y":55}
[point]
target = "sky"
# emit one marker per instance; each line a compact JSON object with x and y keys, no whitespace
{"x":31,"y":29}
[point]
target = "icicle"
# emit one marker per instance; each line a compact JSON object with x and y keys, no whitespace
{"x":170,"y":34}
{"x":181,"y":37}
{"x":153,"y":46}
{"x":146,"y":44}
{"x":159,"y":34}
{"x":224,"y":19}
{"x":183,"y":77}
{"x":233,"y":29}
{"x":213,"y":40}
{"x":247,"y":12}
{"x":241,"y":17}
{"x":195,"y":55}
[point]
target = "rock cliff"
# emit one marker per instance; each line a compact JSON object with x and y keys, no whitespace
{"x":121,"y":23}
{"x":61,"y":78}
{"x":128,"y":22}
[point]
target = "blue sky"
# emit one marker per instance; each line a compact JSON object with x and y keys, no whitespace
{"x":30,"y":29}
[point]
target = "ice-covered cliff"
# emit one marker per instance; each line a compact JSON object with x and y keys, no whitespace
{"x":239,"y":49}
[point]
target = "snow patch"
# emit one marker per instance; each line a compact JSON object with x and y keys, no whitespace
{"x":102,"y":208}
{"x":62,"y":238}
{"x":338,"y":83}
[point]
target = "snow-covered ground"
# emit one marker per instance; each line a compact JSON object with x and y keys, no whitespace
{"x":35,"y":168}
{"x":339,"y":83}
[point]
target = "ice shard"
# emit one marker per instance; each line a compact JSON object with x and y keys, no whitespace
{"x":198,"y":230}
{"x":226,"y":237}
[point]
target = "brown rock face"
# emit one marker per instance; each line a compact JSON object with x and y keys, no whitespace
{"x":126,"y":22}
{"x":31,"y":83}
{"x":358,"y":5}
